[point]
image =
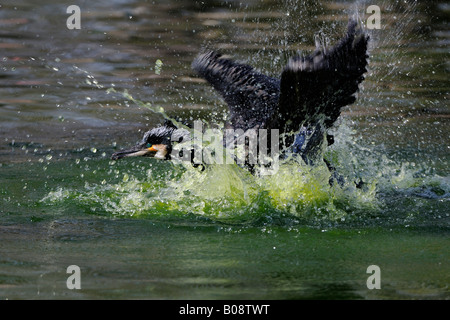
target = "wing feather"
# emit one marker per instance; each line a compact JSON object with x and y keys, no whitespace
{"x":315,"y":88}
{"x":251,"y":96}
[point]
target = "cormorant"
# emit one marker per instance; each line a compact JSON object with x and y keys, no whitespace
{"x":302,"y":105}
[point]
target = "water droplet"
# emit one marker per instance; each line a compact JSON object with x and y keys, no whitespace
{"x":158,"y":66}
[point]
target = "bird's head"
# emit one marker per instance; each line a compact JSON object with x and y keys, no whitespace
{"x":156,"y":143}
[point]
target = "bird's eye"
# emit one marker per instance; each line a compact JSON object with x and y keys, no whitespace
{"x":149,"y":145}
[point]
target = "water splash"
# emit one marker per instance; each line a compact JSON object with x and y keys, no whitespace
{"x":227,"y":192}
{"x":371,"y":181}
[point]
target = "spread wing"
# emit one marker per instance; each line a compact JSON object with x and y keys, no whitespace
{"x":314,"y":88}
{"x":251,"y":96}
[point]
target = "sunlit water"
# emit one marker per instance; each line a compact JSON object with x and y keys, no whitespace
{"x":142,"y":228}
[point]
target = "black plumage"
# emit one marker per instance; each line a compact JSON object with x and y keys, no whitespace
{"x":304,"y":102}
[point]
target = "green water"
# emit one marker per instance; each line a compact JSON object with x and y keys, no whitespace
{"x":148,"y":229}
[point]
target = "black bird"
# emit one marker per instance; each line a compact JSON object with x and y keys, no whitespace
{"x":302,"y":105}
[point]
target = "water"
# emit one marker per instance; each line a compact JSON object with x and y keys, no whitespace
{"x":141,"y":228}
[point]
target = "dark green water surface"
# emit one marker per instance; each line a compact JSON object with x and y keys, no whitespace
{"x":147,"y":229}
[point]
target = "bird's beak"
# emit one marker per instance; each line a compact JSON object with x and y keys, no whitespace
{"x":157,"y":151}
{"x":136,"y":151}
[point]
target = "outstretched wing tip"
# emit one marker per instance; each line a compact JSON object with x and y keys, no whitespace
{"x":202,"y":59}
{"x":320,"y":84}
